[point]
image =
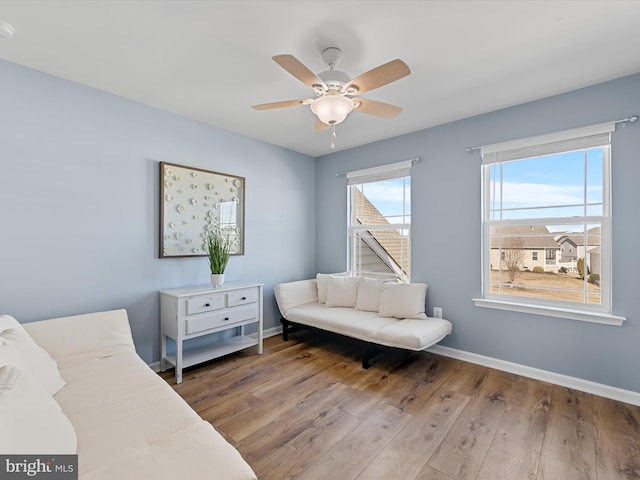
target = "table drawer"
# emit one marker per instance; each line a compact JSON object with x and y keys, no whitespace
{"x":217,"y":319}
{"x":242,"y":297}
{"x":204,"y":303}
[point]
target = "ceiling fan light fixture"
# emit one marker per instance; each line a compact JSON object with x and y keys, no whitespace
{"x":332,"y":109}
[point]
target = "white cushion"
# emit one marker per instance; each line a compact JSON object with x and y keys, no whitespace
{"x":413,"y":334}
{"x":195,"y":452}
{"x":292,"y":294}
{"x":368,"y":298}
{"x":18,"y":348}
{"x":345,"y":321}
{"x":403,"y":300}
{"x":342,"y":291}
{"x":78,"y":339}
{"x":321,"y":280}
{"x":32,"y":422}
{"x":121,"y":406}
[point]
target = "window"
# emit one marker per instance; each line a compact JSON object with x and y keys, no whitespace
{"x":549,"y":193}
{"x":550,"y":256}
{"x":380,"y":221}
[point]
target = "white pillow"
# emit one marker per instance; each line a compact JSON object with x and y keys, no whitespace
{"x":403,"y":300}
{"x":321,"y":281}
{"x":32,"y":422}
{"x":368,"y":298}
{"x":342,"y":291}
{"x":18,"y":348}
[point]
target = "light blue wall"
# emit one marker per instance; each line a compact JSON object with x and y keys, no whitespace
{"x":79,"y":215}
{"x":79,"y":204}
{"x":446,"y":232}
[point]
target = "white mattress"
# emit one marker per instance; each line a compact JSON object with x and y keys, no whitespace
{"x":130,"y":424}
{"x":410,"y":334}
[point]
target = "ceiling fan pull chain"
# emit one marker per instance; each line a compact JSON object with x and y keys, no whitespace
{"x":333,"y":136}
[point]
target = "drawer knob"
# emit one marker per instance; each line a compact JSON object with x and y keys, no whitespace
{"x":243,"y":298}
{"x":226,"y":318}
{"x":207,"y":304}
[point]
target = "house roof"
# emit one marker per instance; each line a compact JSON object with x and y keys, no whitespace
{"x":532,"y":236}
{"x":578,"y":238}
{"x":390,"y":240}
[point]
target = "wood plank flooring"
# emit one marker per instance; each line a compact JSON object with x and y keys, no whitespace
{"x":307,"y":410}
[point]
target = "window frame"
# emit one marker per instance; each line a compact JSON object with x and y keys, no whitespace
{"x":398,"y":170}
{"x":536,"y":147}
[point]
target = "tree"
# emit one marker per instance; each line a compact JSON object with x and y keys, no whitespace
{"x":580,"y":268}
{"x":513,"y":256}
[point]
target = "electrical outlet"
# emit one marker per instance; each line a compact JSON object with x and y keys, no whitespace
{"x":437,"y":312}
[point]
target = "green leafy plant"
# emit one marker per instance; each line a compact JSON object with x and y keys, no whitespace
{"x":218,"y":251}
{"x":580,"y":268}
{"x":538,"y":269}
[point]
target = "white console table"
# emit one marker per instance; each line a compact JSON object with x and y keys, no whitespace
{"x":191,"y":312}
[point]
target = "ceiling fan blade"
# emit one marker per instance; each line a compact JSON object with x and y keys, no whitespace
{"x":286,"y":103}
{"x":321,"y":125}
{"x":373,"y":107}
{"x":295,"y":67}
{"x":379,"y":76}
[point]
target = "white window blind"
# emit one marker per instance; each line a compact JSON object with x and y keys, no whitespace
{"x":558,"y":142}
{"x":383,"y":172}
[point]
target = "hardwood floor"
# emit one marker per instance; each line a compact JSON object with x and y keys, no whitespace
{"x":307,"y":410}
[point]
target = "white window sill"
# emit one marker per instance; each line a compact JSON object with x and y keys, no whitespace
{"x":572,"y":314}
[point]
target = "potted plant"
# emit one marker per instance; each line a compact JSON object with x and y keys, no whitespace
{"x":218,"y":251}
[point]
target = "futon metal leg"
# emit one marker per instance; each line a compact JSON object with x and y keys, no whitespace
{"x":367,"y":350}
{"x":285,"y":330}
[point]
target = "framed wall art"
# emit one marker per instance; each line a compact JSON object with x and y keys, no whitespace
{"x":195,"y":201}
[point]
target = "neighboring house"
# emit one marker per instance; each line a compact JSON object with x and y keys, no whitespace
{"x":381,"y":251}
{"x":540,"y":248}
{"x":575,"y":245}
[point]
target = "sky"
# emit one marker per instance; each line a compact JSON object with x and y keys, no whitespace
{"x":529,"y":188}
{"x":549,"y":186}
{"x":388,"y":195}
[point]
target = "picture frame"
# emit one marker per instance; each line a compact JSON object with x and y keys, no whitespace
{"x":194,"y":201}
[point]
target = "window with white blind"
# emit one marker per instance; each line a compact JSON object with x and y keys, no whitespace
{"x":546,"y":240}
{"x":380,"y":221}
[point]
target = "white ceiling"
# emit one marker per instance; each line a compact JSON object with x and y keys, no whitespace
{"x":211,"y":60}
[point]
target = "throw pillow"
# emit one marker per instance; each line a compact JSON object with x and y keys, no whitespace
{"x":402,"y":300}
{"x":342,"y":291}
{"x":368,"y":298}
{"x":32,"y":422}
{"x":321,"y":280}
{"x":18,"y":348}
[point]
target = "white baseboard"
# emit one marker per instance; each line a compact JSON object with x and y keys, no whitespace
{"x":587,"y":386}
{"x":270,"y":332}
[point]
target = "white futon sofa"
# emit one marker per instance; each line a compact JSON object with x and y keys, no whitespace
{"x":76,"y":385}
{"x":372,"y":311}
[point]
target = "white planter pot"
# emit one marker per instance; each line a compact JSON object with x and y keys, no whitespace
{"x":217,"y":279}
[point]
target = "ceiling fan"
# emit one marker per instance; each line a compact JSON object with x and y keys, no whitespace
{"x":336,"y":92}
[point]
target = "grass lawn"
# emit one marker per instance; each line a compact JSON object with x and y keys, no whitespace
{"x":554,"y":286}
